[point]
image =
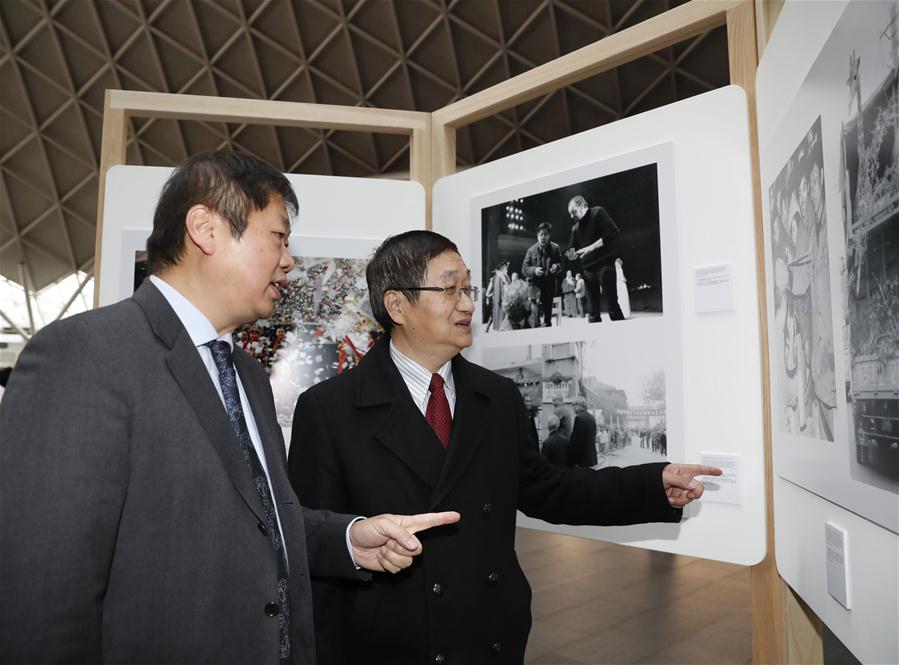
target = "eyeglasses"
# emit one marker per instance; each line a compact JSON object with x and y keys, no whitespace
{"x":454,"y":292}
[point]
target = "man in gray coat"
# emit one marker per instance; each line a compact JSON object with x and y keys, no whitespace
{"x":145,"y":512}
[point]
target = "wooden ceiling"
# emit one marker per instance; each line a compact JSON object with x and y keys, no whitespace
{"x":57,"y":57}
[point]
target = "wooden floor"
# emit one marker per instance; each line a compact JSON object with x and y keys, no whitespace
{"x":595,"y":602}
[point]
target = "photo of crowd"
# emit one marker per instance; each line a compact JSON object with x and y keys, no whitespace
{"x":583,"y":253}
{"x":802,"y":301}
{"x":587,"y":408}
{"x":322,"y":326}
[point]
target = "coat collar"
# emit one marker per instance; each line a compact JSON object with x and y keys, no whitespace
{"x":187,"y":367}
{"x":405,"y":431}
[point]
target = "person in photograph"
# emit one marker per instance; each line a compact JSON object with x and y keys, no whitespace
{"x":531,"y":411}
{"x":145,"y":511}
{"x":556,"y":448}
{"x":569,"y":303}
{"x":624,"y":299}
{"x":583,"y":435}
{"x":518,"y":309}
{"x":542,"y":263}
{"x":416,"y":424}
{"x":494,"y":296}
{"x":594,"y":241}
{"x":580,"y":295}
{"x":565,"y":414}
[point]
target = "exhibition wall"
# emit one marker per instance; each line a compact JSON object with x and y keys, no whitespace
{"x":827,"y":119}
{"x":701,"y":332}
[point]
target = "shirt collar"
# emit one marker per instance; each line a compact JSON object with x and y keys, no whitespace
{"x":194,"y":321}
{"x":411,"y":371}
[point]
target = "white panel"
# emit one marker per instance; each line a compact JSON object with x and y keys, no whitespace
{"x":358,"y":211}
{"x":792,"y":91}
{"x":706,"y":218}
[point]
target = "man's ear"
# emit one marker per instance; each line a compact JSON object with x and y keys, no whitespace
{"x":394,"y":303}
{"x":201,"y":228}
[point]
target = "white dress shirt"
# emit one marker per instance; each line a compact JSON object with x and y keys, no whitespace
{"x":418,"y":379}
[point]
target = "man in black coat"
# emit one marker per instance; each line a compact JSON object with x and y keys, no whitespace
{"x":583,"y":435}
{"x":594,"y":241}
{"x":417,"y":427}
{"x":556,"y":446}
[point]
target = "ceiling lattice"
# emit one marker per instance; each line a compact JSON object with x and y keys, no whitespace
{"x":57,"y":57}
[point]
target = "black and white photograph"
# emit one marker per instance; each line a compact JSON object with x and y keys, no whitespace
{"x":588,"y":404}
{"x":588,"y":252}
{"x":870,"y":180}
{"x":804,"y":346}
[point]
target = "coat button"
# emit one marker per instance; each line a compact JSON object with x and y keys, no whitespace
{"x":272,"y":609}
{"x":437,"y":589}
{"x":262,"y":529}
{"x":496,"y":647}
{"x":439,"y":659}
{"x":492,"y":579}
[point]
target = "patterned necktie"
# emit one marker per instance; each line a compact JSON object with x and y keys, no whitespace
{"x":438,"y":412}
{"x":221,"y":356}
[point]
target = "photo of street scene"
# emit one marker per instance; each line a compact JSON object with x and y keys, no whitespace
{"x":589,"y":405}
{"x":588,"y":252}
{"x":869,"y":147}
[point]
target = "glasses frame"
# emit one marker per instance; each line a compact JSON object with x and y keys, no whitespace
{"x":473,"y":291}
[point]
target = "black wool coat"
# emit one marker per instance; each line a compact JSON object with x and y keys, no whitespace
{"x":360,"y":445}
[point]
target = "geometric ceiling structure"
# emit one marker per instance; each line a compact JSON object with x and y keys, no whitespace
{"x":57,"y":58}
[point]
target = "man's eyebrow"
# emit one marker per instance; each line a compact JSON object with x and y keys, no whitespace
{"x":453,"y":273}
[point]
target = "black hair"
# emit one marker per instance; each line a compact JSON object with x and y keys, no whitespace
{"x":230,"y":183}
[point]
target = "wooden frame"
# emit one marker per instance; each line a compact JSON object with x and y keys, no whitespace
{"x":433,"y":155}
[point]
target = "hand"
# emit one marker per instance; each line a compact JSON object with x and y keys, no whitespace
{"x":539,"y":272}
{"x":583,"y":251}
{"x":680,"y":485}
{"x":571,"y":254}
{"x":554,"y":268}
{"x":385,"y":543}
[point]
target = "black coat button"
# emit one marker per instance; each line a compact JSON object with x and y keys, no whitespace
{"x":272,"y":609}
{"x":439,"y":659}
{"x":496,"y":647}
{"x":437,"y":589}
{"x":487,"y":509}
{"x":492,"y":579}
{"x":262,"y":529}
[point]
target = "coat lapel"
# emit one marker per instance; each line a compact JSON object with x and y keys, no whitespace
{"x":470,"y":419}
{"x":192,"y":376}
{"x":404,"y":431}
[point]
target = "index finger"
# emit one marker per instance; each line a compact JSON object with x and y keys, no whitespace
{"x":416,"y":523}
{"x":703,"y":470}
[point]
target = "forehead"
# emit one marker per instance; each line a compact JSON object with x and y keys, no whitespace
{"x":274,"y":214}
{"x":448,"y":265}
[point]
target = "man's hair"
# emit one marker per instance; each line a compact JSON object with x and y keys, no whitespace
{"x":229,"y":183}
{"x":402,"y":261}
{"x":552,"y":423}
{"x":577,"y":200}
{"x":544,"y":226}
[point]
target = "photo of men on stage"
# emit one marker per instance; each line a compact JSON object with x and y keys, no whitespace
{"x":584,"y":253}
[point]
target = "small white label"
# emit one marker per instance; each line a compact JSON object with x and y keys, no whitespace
{"x":726,"y":487}
{"x":714,"y":288}
{"x":835,"y":547}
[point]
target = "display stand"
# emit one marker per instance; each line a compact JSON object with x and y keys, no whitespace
{"x":433,"y":155}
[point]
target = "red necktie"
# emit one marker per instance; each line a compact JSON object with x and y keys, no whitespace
{"x":438,"y":412}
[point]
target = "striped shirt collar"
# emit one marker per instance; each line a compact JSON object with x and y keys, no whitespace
{"x":418,"y":378}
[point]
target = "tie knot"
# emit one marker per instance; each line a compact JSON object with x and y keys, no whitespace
{"x":220,"y":350}
{"x":436,"y":383}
